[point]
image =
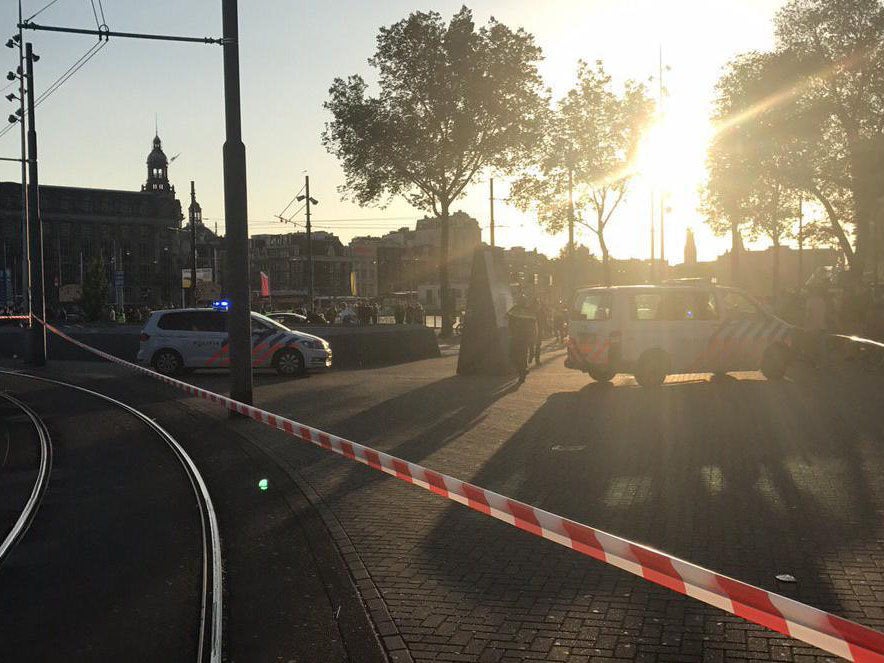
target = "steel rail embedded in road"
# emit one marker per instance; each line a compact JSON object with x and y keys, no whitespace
{"x":211,"y":605}
{"x":42,"y":481}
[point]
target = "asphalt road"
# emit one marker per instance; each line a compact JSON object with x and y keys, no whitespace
{"x":111,"y":567}
{"x":746,"y":477}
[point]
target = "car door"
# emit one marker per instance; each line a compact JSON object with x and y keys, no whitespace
{"x":267,"y":339}
{"x":209,"y":339}
{"x":735,"y":346}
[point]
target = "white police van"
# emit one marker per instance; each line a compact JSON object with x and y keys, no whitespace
{"x":177,"y":340}
{"x":679,"y":327}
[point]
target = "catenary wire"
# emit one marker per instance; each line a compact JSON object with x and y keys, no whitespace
{"x":40,"y":11}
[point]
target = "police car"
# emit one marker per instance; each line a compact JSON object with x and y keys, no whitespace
{"x":177,"y":340}
{"x":687,"y":327}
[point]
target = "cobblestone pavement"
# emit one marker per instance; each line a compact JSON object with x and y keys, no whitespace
{"x":746,"y":477}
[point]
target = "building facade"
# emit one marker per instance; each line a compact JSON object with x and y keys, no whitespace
{"x":133,"y":233}
{"x":285,"y":260}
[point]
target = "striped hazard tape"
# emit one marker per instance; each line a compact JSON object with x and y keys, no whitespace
{"x":829,"y":632}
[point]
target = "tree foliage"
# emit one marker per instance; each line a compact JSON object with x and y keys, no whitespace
{"x":808,"y":119}
{"x":590,"y":145}
{"x":452,"y":100}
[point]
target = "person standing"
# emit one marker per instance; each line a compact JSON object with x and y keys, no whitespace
{"x":522,"y":322}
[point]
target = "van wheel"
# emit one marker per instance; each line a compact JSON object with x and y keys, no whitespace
{"x":168,"y":362}
{"x":652,"y":369}
{"x":601,"y":373}
{"x":774,"y":363}
{"x":289,"y":362}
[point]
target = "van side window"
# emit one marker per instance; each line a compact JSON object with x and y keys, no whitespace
{"x":593,"y":306}
{"x":736,"y":306}
{"x":674,"y":305}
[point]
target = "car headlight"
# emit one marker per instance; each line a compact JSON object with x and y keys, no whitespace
{"x":313,"y":345}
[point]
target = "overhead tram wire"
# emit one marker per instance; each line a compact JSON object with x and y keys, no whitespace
{"x":95,"y":14}
{"x":40,"y":11}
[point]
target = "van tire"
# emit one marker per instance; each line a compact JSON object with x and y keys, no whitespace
{"x":168,"y":362}
{"x":774,"y":362}
{"x":289,"y":362}
{"x":652,"y":368}
{"x":601,"y":373}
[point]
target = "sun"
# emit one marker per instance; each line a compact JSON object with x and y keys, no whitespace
{"x":672,"y":152}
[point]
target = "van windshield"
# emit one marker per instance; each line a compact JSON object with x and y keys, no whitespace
{"x":592,"y":306}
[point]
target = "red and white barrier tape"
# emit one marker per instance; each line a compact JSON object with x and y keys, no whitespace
{"x":861,"y":340}
{"x":829,"y":632}
{"x":15,"y":317}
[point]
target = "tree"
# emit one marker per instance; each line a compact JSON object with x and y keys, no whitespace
{"x":452,"y":101}
{"x":766,"y":154}
{"x":814,"y":109}
{"x":587,"y":156}
{"x":95,"y":289}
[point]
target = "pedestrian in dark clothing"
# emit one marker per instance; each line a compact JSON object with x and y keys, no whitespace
{"x":540,"y":332}
{"x":522,"y":322}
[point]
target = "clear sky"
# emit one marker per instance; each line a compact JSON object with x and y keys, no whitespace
{"x":96,"y":130}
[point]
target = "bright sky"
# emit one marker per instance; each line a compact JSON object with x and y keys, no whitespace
{"x":96,"y":130}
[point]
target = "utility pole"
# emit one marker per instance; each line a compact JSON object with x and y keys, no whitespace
{"x":25,"y":230}
{"x":192,"y":244}
{"x":662,"y":192}
{"x":309,"y":242}
{"x":38,"y":305}
{"x":571,"y":277}
{"x":491,"y":203}
{"x":236,"y":221}
{"x":306,"y":197}
{"x":653,"y":254}
{"x":800,"y":240}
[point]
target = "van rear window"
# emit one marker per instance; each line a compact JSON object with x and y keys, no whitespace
{"x":593,"y":306}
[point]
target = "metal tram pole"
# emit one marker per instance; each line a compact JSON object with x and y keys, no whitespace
{"x":235,"y":201}
{"x":236,"y":215}
{"x":37,"y":349}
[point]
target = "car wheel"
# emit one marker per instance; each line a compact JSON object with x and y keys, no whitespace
{"x":774,"y":363}
{"x":601,"y":373}
{"x":652,"y":369}
{"x":168,"y":362}
{"x":289,"y":362}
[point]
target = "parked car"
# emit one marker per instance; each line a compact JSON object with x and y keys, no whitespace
{"x":653,"y":331}
{"x":173,"y":341}
{"x":288,"y":319}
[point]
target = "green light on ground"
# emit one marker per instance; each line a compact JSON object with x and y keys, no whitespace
{"x":263,"y":484}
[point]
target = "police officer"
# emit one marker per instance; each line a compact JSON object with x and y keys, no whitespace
{"x":522,"y":322}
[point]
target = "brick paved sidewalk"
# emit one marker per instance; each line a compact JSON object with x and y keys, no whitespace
{"x":747,"y":477}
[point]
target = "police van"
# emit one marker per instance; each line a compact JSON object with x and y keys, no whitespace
{"x":174,"y":341}
{"x":678,"y":327}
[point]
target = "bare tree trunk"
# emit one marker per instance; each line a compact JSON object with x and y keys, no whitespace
{"x":735,"y":254}
{"x":776,"y":267}
{"x":843,"y":240}
{"x":445,"y":291}
{"x":606,"y":259}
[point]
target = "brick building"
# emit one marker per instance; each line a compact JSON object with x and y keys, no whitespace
{"x":132,"y":232}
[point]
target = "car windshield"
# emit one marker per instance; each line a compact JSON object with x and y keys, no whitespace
{"x":270,"y":322}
